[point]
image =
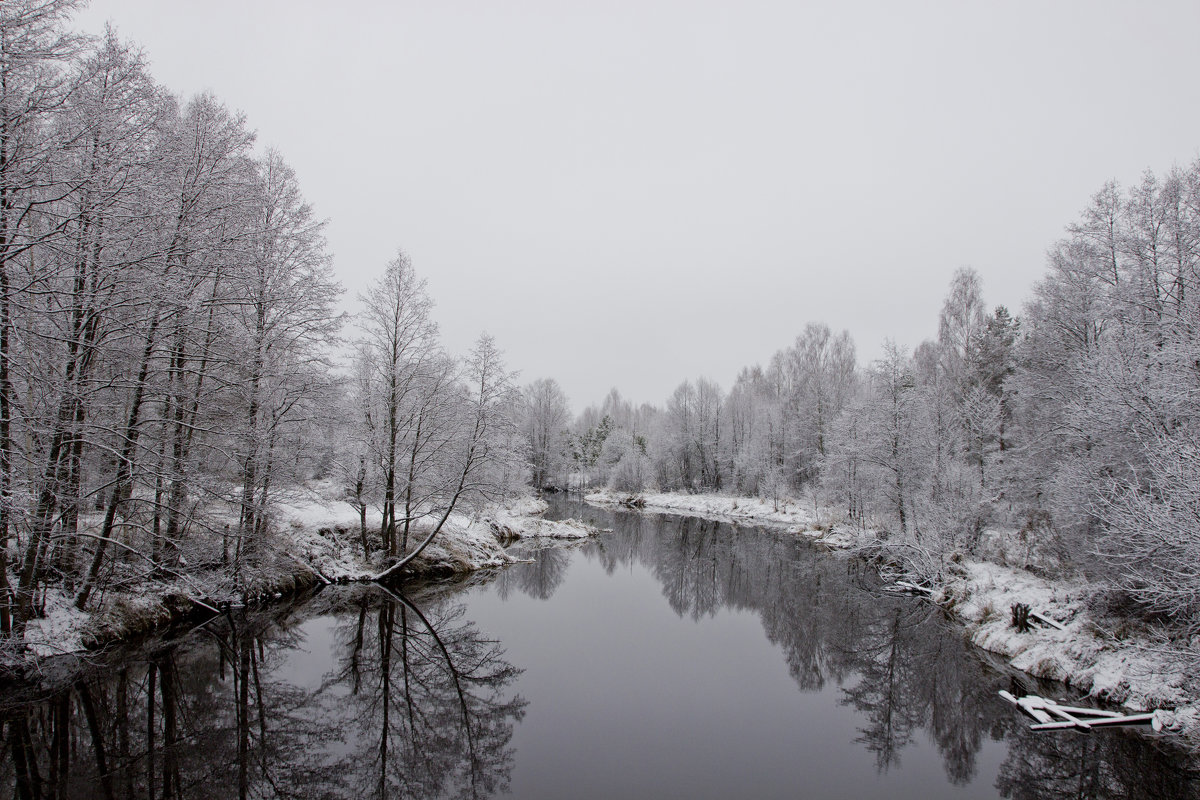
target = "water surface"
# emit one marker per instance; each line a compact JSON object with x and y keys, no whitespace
{"x":666,"y":658}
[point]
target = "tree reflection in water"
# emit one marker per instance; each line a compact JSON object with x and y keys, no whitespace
{"x":899,"y":662}
{"x":418,"y":704}
{"x":542,"y":574}
{"x":1078,"y":765}
{"x":409,"y":699}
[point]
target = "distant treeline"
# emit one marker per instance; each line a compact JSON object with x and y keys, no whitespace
{"x":1074,"y":428}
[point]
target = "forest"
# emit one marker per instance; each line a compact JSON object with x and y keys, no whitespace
{"x":1070,"y":429}
{"x":174,"y":360}
{"x":172,"y":354}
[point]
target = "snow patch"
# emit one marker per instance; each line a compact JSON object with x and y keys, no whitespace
{"x":1128,"y":671}
{"x":813,"y":523}
{"x":521,"y":519}
{"x":62,"y":628}
{"x":325,"y":532}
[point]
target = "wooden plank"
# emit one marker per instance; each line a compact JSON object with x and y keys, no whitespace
{"x":1067,"y":716}
{"x":1107,"y":722}
{"x":1042,"y":618}
{"x":1074,"y":716}
{"x":1077,"y":711}
{"x":1032,"y":705}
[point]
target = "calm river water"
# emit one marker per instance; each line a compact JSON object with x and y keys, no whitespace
{"x":668,"y":658}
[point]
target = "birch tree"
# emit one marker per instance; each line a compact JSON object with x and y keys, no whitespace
{"x":202,"y":177}
{"x":545,"y":416}
{"x":398,"y":346}
{"x":283,"y":297}
{"x":961,"y":323}
{"x":483,"y":431}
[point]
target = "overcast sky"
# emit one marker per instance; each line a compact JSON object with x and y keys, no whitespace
{"x":633,"y":193}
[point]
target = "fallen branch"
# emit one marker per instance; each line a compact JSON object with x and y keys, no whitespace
{"x":1108,"y":722}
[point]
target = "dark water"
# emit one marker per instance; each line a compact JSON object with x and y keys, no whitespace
{"x":668,"y":658}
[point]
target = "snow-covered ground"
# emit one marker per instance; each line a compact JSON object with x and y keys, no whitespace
{"x":1110,"y":659}
{"x":60,"y":630}
{"x":315,"y":537}
{"x":812,"y":522}
{"x":522,"y":519}
{"x":324,"y":532}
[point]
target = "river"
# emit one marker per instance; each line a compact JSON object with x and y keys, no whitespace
{"x":666,"y":657}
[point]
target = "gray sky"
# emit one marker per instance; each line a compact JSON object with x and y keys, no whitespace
{"x":633,"y":193}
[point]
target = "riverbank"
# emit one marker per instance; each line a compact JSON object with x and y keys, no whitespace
{"x":815,"y":523}
{"x":315,"y":538}
{"x":1110,"y":656}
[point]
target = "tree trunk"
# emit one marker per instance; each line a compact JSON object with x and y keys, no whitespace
{"x":412,"y":479}
{"x":177,"y":491}
{"x":359,"y":485}
{"x":124,"y":479}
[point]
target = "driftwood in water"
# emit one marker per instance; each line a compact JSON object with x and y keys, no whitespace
{"x":1050,"y":715}
{"x":1106,"y":722}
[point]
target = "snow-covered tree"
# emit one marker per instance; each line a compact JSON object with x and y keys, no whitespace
{"x":545,"y":416}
